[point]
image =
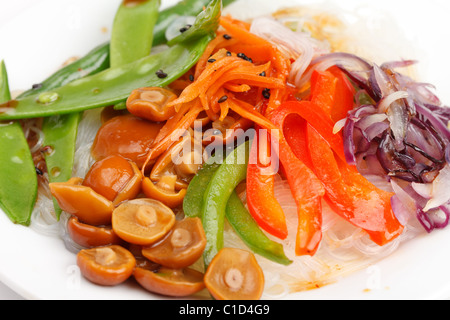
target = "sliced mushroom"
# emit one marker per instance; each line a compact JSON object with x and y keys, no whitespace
{"x":82,"y":202}
{"x":181,"y":248}
{"x":170,"y":282}
{"x":234,"y":274}
{"x":151,"y":103}
{"x":142,"y":221}
{"x":107,"y":266}
{"x":116,"y":178}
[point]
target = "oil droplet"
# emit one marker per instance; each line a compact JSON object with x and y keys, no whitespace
{"x":48,"y":98}
{"x":55,"y":172}
{"x":96,"y":91}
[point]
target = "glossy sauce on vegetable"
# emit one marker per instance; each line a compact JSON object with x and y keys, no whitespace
{"x":127,"y":136}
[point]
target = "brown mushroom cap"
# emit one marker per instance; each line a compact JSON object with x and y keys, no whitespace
{"x":234,"y":274}
{"x":115,"y":178}
{"x":82,"y":202}
{"x":170,"y":282}
{"x":107,"y":266}
{"x":89,"y":236}
{"x":164,"y":191}
{"x":142,"y":221}
{"x":151,"y":103}
{"x":126,"y":135}
{"x":182,"y":247}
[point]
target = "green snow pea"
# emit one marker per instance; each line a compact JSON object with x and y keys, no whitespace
{"x":236,"y":213}
{"x":18,"y":179}
{"x":132,"y":33}
{"x":114,"y":85}
{"x":248,"y":230}
{"x":231,"y":172}
{"x":182,"y":8}
{"x":60,"y":131}
{"x":95,"y":61}
{"x":60,"y":135}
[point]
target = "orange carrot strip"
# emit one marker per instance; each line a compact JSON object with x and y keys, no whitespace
{"x":236,"y":87}
{"x":247,"y":111}
{"x":217,"y":43}
{"x":211,"y":74}
{"x":184,"y":124}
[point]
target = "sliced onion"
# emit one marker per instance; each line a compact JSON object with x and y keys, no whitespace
{"x":440,"y":194}
{"x":388,"y":100}
{"x":440,"y":126}
{"x":403,"y":204}
{"x":352,"y":64}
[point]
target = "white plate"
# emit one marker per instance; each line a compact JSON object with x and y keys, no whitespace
{"x":38,"y":39}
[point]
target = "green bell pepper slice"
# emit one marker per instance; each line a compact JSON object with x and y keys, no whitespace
{"x":231,"y":172}
{"x":18,"y":179}
{"x":236,"y":214}
{"x":248,"y":230}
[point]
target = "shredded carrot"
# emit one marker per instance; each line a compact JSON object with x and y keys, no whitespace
{"x":236,"y":74}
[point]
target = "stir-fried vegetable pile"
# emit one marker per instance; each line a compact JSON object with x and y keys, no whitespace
{"x":197,"y":135}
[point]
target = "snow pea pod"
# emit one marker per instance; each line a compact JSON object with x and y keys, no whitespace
{"x":60,"y":134}
{"x":114,"y":85}
{"x":60,"y":131}
{"x":182,"y":8}
{"x":18,"y":179}
{"x":231,"y":172}
{"x":95,"y":61}
{"x":132,"y":33}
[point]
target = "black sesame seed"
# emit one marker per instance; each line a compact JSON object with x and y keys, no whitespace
{"x":263,"y":74}
{"x":243,"y":56}
{"x":228,"y":53}
{"x":191,"y":78}
{"x":36,"y":86}
{"x":39,"y":171}
{"x":226,"y":36}
{"x":223,"y":99}
{"x":266,"y":93}
{"x":211,"y":60}
{"x":185,"y":28}
{"x":161,"y":74}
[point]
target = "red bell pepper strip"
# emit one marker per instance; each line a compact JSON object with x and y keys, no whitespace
{"x":307,"y":190}
{"x":351,"y":195}
{"x":332,"y":91}
{"x":261,"y":201}
{"x":323,"y":90}
{"x":317,"y":118}
{"x":344,"y":100}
